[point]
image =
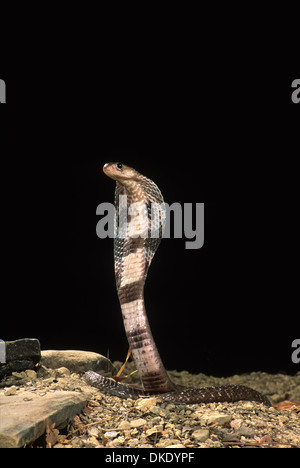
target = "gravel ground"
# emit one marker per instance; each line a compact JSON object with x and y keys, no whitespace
{"x":112,"y":422}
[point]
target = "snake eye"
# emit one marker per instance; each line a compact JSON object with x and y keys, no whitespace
{"x":119,"y":165}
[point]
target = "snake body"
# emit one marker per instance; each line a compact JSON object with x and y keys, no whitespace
{"x":139,"y":223}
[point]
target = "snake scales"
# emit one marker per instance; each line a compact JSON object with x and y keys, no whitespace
{"x":139,"y":222}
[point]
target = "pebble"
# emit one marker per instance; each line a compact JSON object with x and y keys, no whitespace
{"x":213,"y":418}
{"x":111,"y":434}
{"x":62,"y":372}
{"x":138,"y":422}
{"x":201,"y":435}
{"x":163,"y":443}
{"x":31,"y":374}
{"x":143,"y":404}
{"x":10,"y":391}
{"x":119,"y":441}
{"x":154,"y":431}
{"x":124,"y":425}
{"x":93,"y":431}
{"x":92,"y":442}
{"x":19,"y":375}
{"x":236,"y":424}
{"x":175,"y":446}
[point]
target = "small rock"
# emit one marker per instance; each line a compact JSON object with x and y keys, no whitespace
{"x":93,"y":431}
{"x":77,"y":442}
{"x":170,"y":407}
{"x":116,"y":442}
{"x":48,"y":381}
{"x":236,"y":424}
{"x":248,"y":405}
{"x":175,"y":446}
{"x":92,"y":442}
{"x":19,"y":375}
{"x":154,"y":409}
{"x":154,"y":431}
{"x":201,"y":435}
{"x":213,"y":418}
{"x":111,"y":434}
{"x":133,"y":443}
{"x":124,"y":425}
{"x":62,"y":372}
{"x":31,"y":374}
{"x":144,"y":404}
{"x":77,"y":361}
{"x":245,"y":431}
{"x":163,"y":443}
{"x":62,"y":446}
{"x":138,"y":422}
{"x":11,"y":391}
{"x":75,"y":376}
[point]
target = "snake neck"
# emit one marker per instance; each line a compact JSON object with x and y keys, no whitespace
{"x":136,"y":242}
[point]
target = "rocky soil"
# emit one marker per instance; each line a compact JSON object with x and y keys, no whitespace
{"x":105,"y":421}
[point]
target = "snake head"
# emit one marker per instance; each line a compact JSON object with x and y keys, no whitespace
{"x":120,"y":172}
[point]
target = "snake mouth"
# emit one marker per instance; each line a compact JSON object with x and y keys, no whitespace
{"x":108,"y":169}
{"x":120,"y":172}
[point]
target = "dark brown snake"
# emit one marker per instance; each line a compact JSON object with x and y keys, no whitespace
{"x":139,"y":223}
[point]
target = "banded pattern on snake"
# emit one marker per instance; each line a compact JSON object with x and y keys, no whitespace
{"x":139,"y":223}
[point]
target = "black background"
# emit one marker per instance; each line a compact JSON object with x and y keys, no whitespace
{"x":227,"y":136}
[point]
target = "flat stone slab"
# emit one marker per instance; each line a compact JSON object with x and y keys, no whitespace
{"x":24,"y":417}
{"x":77,"y":361}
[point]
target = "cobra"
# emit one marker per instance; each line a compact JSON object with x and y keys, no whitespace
{"x":140,"y":203}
